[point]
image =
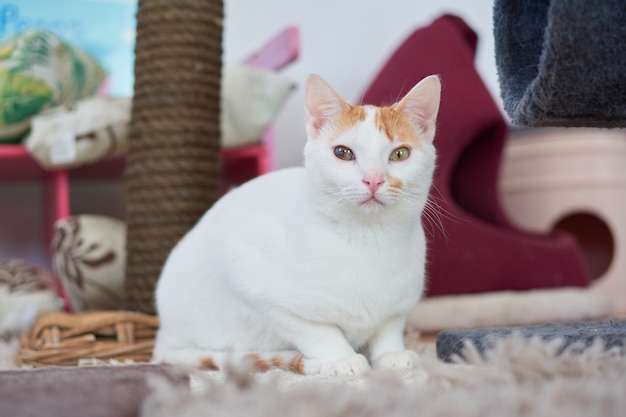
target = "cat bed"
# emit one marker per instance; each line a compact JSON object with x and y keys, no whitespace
{"x":62,"y":339}
{"x":473,"y":247}
{"x":562,"y":62}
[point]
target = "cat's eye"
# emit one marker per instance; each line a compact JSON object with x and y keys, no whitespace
{"x":400,"y":154}
{"x":344,"y":153}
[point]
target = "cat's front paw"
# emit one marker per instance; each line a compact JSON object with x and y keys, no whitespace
{"x":352,"y":365}
{"x":405,"y":359}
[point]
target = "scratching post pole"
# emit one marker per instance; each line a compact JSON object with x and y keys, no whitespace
{"x":172,"y":171}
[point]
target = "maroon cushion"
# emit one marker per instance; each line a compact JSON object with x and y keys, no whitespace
{"x":479,"y":249}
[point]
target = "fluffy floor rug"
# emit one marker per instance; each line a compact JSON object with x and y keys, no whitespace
{"x":516,"y":377}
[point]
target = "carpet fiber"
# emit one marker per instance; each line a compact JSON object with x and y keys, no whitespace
{"x":517,"y":377}
{"x":514,"y":377}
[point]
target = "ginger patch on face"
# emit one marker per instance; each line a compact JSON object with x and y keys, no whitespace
{"x":347,"y":119}
{"x":394,"y":124}
{"x":394,"y":183}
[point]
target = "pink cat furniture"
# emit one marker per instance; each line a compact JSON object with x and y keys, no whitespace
{"x":478,"y":250}
{"x":573,"y":179}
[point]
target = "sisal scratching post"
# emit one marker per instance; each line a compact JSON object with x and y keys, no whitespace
{"x":172,"y":172}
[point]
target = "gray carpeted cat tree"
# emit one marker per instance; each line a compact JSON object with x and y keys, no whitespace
{"x":562,"y":62}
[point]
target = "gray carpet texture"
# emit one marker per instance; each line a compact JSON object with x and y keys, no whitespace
{"x":562,"y":62}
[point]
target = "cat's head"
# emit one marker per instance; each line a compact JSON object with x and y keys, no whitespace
{"x":368,"y":159}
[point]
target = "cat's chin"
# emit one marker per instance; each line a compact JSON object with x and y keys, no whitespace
{"x":372,"y":202}
{"x":371,"y":206}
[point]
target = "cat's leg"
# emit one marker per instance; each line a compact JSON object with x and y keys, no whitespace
{"x":387,"y":349}
{"x":328,"y":353}
{"x":324,"y":347}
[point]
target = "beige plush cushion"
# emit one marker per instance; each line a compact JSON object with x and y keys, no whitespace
{"x":97,"y":127}
{"x":89,"y":256}
{"x":87,"y":131}
{"x":251,"y":100}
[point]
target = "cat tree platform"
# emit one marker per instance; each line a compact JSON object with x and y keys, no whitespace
{"x":612,"y":333}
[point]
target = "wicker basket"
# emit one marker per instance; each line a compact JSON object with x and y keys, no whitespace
{"x":61,"y":339}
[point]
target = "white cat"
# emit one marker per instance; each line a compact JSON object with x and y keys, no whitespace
{"x":303,"y":267}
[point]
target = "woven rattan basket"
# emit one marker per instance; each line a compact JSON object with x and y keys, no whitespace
{"x":61,"y":339}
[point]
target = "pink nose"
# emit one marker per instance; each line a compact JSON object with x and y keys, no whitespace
{"x":374,"y":182}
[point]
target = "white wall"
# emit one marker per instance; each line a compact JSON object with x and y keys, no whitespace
{"x":344,"y":41}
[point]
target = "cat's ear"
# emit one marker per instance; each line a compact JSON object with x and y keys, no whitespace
{"x":321,"y":104}
{"x":421,"y":105}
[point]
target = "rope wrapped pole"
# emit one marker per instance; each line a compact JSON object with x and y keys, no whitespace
{"x":173,"y":164}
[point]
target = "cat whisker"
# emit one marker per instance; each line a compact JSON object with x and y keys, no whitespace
{"x":433,"y":212}
{"x":430,"y":213}
{"x":343,"y":194}
{"x":445,"y":213}
{"x":433,"y":217}
{"x":331,"y":200}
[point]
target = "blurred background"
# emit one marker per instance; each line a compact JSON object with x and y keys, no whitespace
{"x":344,"y":41}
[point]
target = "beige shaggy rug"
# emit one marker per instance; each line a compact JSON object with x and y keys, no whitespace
{"x":516,"y":377}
